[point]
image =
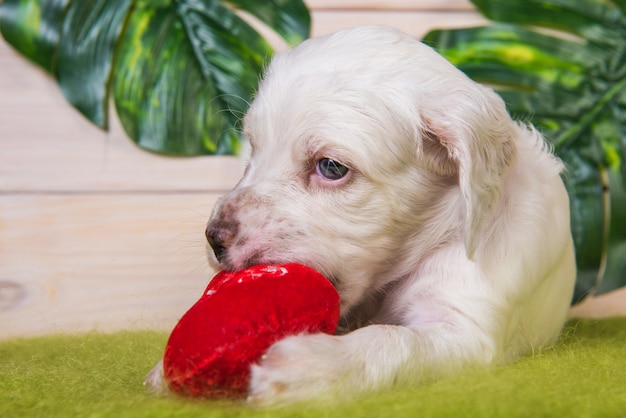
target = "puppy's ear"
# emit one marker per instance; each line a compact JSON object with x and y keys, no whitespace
{"x":470,"y":135}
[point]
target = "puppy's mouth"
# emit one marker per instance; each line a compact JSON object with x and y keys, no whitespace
{"x":224,"y":260}
{"x":224,"y":263}
{"x":222,"y":255}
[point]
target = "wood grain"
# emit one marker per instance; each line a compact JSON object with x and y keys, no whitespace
{"x":97,"y":234}
{"x":414,"y":23}
{"x":424,"y":5}
{"x":608,"y":305}
{"x":102,"y":261}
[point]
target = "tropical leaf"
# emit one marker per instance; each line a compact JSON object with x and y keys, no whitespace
{"x":32,"y":27}
{"x":181,"y":72}
{"x":615,"y":272}
{"x":183,"y":76}
{"x":561,"y":64}
{"x":89,"y":33}
{"x":290,"y":19}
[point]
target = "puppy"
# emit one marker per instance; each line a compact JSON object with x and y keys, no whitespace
{"x":443,"y":224}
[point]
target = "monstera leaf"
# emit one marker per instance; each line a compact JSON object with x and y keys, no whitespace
{"x":181,"y":72}
{"x":561,"y":64}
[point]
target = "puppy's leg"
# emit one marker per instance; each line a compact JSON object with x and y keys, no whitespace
{"x":373,"y":357}
{"x":155,"y":380}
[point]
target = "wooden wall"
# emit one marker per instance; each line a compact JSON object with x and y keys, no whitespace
{"x":96,"y":234}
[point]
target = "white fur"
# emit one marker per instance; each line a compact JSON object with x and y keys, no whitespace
{"x":448,"y":240}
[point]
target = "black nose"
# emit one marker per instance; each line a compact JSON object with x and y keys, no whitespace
{"x":219,"y":236}
{"x":216,"y":243}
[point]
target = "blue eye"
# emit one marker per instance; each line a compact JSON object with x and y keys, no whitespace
{"x":331,"y":169}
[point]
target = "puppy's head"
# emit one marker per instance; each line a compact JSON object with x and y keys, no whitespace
{"x":367,"y":149}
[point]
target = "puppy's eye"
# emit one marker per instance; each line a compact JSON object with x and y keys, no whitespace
{"x":331,"y":169}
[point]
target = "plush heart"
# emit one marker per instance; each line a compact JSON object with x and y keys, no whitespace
{"x":239,"y":316}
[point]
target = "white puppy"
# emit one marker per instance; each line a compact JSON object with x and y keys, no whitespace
{"x":443,"y":224}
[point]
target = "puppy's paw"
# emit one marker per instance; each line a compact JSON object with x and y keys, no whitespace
{"x":295,"y":369}
{"x":155,"y":380}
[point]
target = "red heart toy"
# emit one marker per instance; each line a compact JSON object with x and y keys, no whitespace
{"x":239,"y":316}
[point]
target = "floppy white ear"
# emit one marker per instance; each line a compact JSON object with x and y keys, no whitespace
{"x":475,"y":132}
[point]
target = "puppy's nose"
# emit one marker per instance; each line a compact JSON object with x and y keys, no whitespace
{"x":219,"y":236}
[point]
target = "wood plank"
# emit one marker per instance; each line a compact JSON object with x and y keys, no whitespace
{"x":100,"y":262}
{"x":48,"y":146}
{"x":390,"y":5}
{"x":110,"y":261}
{"x":602,"y":306}
{"x":96,"y":233}
{"x":416,"y":24}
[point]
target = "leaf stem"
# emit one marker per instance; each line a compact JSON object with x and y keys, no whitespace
{"x":575,"y":130}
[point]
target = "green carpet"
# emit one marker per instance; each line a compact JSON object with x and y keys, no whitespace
{"x":99,"y":375}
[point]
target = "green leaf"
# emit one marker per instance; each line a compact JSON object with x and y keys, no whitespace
{"x":615,"y":272}
{"x":32,"y":27}
{"x":184,"y":74}
{"x":85,"y":55}
{"x":290,"y":19}
{"x":595,"y":20}
{"x":588,"y":214}
{"x":571,"y":83}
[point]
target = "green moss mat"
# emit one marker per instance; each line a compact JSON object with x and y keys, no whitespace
{"x":99,"y":375}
